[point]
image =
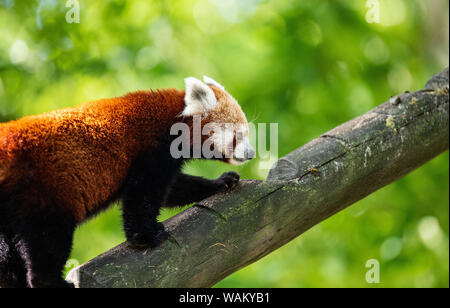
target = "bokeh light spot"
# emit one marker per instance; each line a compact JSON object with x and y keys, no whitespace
{"x":18,"y":53}
{"x":391,"y":248}
{"x":376,"y":51}
{"x":430,"y":232}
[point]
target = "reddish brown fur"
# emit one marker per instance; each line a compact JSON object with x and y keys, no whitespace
{"x":227,"y":111}
{"x":80,"y":156}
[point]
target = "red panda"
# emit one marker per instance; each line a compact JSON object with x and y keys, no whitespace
{"x":60,"y":168}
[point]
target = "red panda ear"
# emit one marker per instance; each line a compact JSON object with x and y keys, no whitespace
{"x":199,"y":98}
{"x":212,"y":82}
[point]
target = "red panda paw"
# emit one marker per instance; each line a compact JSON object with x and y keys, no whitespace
{"x":228,"y":180}
{"x":140,"y":241}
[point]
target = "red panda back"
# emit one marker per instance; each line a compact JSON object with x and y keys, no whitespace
{"x":77,"y":158}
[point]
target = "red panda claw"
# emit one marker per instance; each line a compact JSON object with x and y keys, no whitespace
{"x":228,"y":180}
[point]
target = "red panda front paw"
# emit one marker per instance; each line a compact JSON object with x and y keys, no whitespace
{"x":141,"y":241}
{"x":228,"y":180}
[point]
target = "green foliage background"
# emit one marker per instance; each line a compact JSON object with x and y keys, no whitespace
{"x":307,"y":65}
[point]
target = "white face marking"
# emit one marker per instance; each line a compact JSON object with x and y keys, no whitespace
{"x":226,"y":136}
{"x":222,"y":139}
{"x":243,"y":152}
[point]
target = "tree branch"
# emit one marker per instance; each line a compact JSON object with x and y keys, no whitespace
{"x":229,"y":231}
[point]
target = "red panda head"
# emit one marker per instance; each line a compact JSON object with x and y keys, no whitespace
{"x":223,"y":121}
